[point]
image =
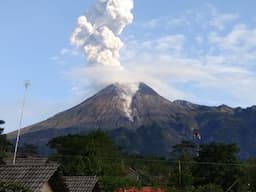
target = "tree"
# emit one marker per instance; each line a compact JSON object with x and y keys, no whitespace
{"x":249,"y":175}
{"x":185,"y":148}
{"x":28,"y":150}
{"x":13,"y":187}
{"x":217,"y":164}
{"x":4,"y":144}
{"x":112,"y":183}
{"x":209,"y":188}
{"x":92,"y":154}
{"x":181,"y":176}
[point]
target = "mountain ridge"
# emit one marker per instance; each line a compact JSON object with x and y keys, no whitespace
{"x":109,"y":95}
{"x":141,"y":120}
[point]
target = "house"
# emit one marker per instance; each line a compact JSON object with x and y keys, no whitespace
{"x":27,"y":161}
{"x":37,"y":177}
{"x":40,"y":175}
{"x":82,"y":183}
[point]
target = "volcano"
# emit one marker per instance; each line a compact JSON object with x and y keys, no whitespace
{"x":130,"y":105}
{"x":143,"y":122}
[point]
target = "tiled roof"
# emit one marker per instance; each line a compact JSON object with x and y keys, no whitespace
{"x":33,"y":176}
{"x":26,"y":161}
{"x":81,"y":183}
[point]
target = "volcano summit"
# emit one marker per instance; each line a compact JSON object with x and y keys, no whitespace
{"x":128,"y":105}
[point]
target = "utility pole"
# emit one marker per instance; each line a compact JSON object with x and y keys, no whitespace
{"x":26,"y":85}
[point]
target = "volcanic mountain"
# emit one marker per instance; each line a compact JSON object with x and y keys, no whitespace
{"x":118,"y":105}
{"x":142,"y":121}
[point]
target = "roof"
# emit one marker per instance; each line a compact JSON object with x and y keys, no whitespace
{"x":26,"y":161}
{"x":81,"y":183}
{"x":33,"y":176}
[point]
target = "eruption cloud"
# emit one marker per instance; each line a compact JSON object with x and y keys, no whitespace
{"x":97,"y":32}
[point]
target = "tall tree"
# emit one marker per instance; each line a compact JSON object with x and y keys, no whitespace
{"x":181,"y":176}
{"x":249,"y":176}
{"x":92,"y":154}
{"x":4,"y":144}
{"x":217,"y":163}
{"x":185,"y":148}
{"x":28,"y":150}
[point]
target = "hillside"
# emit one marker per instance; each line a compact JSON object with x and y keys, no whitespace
{"x":143,"y":122}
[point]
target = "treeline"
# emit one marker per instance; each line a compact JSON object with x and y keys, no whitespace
{"x":214,"y":168}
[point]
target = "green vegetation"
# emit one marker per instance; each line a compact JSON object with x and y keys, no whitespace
{"x":224,"y":170}
{"x":28,"y":150}
{"x":216,"y":169}
{"x":111,"y":183}
{"x":249,"y":175}
{"x":209,"y":188}
{"x":93,"y":154}
{"x":4,"y":144}
{"x":13,"y":187}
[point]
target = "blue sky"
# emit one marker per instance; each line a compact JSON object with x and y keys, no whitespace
{"x":201,"y":51}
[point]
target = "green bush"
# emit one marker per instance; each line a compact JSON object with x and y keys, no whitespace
{"x":13,"y":187}
{"x":209,"y":188}
{"x":112,"y":183}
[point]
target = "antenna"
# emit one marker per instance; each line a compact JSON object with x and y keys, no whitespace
{"x":26,"y":85}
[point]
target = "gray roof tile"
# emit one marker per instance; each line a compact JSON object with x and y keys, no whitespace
{"x":81,"y":183}
{"x":33,"y":176}
{"x":26,"y":161}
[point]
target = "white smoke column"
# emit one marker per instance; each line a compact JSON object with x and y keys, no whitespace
{"x":98,"y":30}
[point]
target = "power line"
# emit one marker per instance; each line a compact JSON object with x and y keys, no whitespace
{"x":157,"y":160}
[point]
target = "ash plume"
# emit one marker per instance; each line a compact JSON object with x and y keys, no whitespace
{"x":97,"y":32}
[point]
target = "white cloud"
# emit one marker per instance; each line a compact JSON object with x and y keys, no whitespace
{"x":185,"y":65}
{"x":163,"y":72}
{"x":206,"y":16}
{"x":66,"y":51}
{"x":66,"y":56}
{"x":240,"y":38}
{"x":55,"y":58}
{"x":152,"y":23}
{"x":220,"y":20}
{"x":199,"y":39}
{"x":238,"y":45}
{"x":167,"y":22}
{"x":171,"y":43}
